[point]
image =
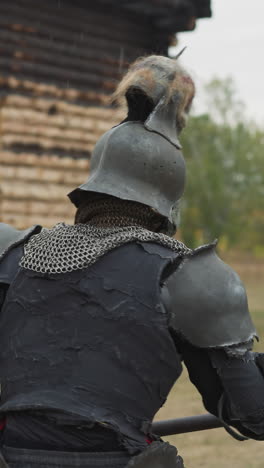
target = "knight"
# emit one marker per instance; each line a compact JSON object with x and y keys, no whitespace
{"x":97,"y":317}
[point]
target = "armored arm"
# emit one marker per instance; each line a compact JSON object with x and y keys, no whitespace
{"x":232,"y":379}
{"x":242,"y":402}
{"x":213,"y":331}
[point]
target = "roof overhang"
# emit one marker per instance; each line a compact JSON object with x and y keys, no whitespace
{"x":166,"y":15}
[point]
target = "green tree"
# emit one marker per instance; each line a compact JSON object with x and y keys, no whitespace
{"x":225,"y":168}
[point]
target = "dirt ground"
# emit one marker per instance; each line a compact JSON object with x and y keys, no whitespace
{"x":215,"y":448}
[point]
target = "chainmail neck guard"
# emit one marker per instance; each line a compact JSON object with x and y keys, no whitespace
{"x":113,"y":212}
{"x":66,"y":248}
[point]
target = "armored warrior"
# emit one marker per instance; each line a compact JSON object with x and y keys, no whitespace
{"x":97,"y":317}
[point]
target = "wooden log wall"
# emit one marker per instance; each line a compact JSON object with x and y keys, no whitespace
{"x":44,"y":156}
{"x":58,"y":65}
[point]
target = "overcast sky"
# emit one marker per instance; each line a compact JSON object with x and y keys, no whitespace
{"x":229,"y":44}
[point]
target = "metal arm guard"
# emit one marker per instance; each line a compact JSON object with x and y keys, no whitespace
{"x":207,"y":301}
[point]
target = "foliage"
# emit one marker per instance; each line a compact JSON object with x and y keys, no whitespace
{"x":225,"y":172}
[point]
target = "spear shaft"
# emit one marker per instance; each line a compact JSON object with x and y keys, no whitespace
{"x":189,"y":424}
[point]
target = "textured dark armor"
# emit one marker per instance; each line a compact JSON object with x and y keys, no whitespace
{"x":57,"y":251}
{"x":141,"y":358}
{"x":109,"y":317}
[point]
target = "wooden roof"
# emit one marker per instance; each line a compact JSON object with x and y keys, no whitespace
{"x":166,"y":15}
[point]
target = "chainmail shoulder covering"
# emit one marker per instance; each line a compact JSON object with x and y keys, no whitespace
{"x":66,"y":248}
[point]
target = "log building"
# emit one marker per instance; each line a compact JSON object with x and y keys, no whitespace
{"x":59,"y":62}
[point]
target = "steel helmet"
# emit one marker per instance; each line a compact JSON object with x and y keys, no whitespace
{"x":140,"y":159}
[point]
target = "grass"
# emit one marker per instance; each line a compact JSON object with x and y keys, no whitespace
{"x":215,"y":448}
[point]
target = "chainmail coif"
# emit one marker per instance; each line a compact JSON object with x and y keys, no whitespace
{"x":109,"y":224}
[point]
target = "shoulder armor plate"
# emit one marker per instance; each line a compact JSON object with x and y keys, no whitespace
{"x":11,"y":237}
{"x":208,"y":301}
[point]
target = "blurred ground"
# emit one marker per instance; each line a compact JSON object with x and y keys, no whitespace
{"x":215,"y":448}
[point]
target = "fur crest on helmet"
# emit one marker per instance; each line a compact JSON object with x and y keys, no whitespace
{"x":152,"y":78}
